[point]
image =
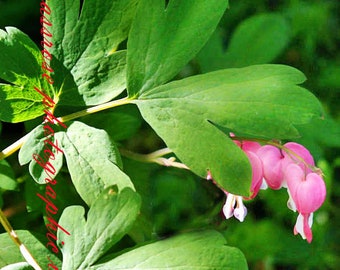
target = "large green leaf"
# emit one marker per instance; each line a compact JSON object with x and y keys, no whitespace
{"x":257,"y":101}
{"x":20,"y":66}
{"x":92,"y":158}
{"x":193,"y":251}
{"x":93,"y":161}
{"x":109,"y":218}
{"x":163,"y":39}
{"x":10,"y":253}
{"x":257,"y":40}
{"x":87,"y":68}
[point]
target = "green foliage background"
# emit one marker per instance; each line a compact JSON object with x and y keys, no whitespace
{"x":175,"y":200}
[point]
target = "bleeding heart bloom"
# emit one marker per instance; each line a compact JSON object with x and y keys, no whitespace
{"x":298,"y":154}
{"x":308,"y":192}
{"x":290,"y":166}
{"x":272,"y":159}
{"x":250,"y":149}
{"x":234,"y":204}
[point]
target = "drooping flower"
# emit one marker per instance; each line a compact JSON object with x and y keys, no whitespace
{"x":308,"y":192}
{"x":290,"y":166}
{"x":272,"y":159}
{"x":298,"y":154}
{"x":234,"y":204}
{"x":275,"y":162}
{"x":234,"y":207}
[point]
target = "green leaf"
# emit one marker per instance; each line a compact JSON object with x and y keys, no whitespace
{"x":93,"y":161}
{"x":7,"y":177}
{"x":257,"y":40}
{"x":88,"y":68}
{"x":192,"y":251}
{"x":109,"y":218}
{"x":163,"y":39}
{"x":259,"y":101}
{"x":10,"y":253}
{"x":20,"y":66}
{"x":37,"y":144}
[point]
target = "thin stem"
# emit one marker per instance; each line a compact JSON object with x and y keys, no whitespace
{"x":24,"y":251}
{"x":18,"y":144}
{"x":98,"y":108}
{"x":13,"y":148}
{"x":155,"y":157}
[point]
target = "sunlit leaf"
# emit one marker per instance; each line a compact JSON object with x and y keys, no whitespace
{"x":20,"y":67}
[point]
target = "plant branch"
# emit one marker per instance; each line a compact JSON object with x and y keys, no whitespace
{"x":24,"y":251}
{"x":98,"y":108}
{"x":18,"y":144}
{"x":13,"y":148}
{"x":155,"y":157}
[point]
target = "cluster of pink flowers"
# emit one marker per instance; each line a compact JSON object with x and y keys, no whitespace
{"x":289,"y":166}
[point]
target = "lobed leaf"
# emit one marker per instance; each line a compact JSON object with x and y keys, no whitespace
{"x":93,"y":161}
{"x":20,"y":67}
{"x":191,"y":251}
{"x":259,"y":101}
{"x":108,"y":220}
{"x":85,"y":39}
{"x":92,"y":158}
{"x":156,"y":54}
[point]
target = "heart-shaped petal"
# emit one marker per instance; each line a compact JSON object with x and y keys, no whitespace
{"x":272,"y":158}
{"x":297,"y":154}
{"x":257,"y":174}
{"x":308,"y":192}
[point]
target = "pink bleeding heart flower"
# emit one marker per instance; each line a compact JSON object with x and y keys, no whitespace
{"x":272,"y":159}
{"x":234,"y":204}
{"x":308,"y":192}
{"x":257,"y":174}
{"x":250,"y":149}
{"x":298,"y":154}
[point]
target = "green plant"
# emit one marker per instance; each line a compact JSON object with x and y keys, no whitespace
{"x":94,"y":90}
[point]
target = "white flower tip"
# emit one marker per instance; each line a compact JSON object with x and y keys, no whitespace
{"x":228,"y":208}
{"x":240,"y":213}
{"x":264,"y":184}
